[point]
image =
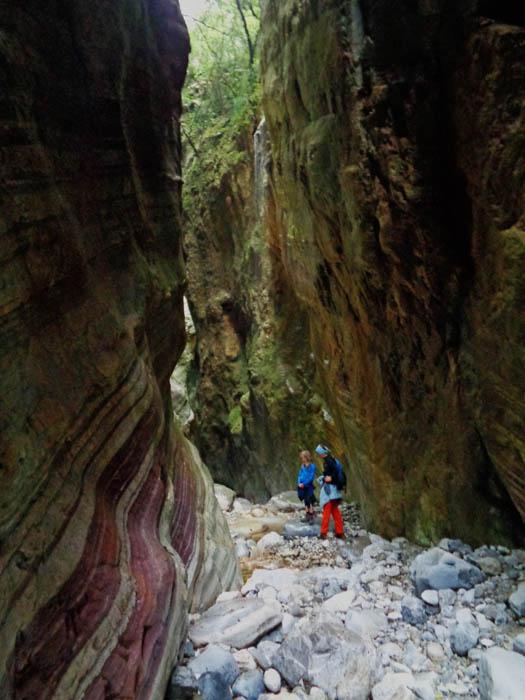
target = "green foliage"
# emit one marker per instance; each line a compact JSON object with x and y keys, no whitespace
{"x":221,"y":94}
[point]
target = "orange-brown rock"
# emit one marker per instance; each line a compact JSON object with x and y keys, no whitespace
{"x":396,"y":132}
{"x":107,"y":516}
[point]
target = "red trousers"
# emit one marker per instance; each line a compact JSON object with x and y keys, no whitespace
{"x":332,"y":509}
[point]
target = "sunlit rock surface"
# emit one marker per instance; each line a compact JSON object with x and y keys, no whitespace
{"x":397,"y":137}
{"x":109,"y":529}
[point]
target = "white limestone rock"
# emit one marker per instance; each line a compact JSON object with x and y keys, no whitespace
{"x":501,"y":675}
{"x":224,"y":496}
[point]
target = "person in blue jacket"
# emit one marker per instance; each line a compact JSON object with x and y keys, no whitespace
{"x":305,"y":484}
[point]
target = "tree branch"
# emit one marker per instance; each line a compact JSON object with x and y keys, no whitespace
{"x":248,"y":37}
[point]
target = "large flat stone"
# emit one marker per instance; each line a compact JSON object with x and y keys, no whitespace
{"x":501,"y":675}
{"x":238,"y":623}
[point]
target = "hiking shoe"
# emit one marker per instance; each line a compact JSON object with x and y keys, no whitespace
{"x":306,"y":519}
{"x":323,"y":536}
{"x":340,"y":536}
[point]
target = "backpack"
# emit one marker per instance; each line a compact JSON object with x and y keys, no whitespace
{"x":340,"y":482}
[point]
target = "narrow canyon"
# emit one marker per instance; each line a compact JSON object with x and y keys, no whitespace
{"x":353,"y":265}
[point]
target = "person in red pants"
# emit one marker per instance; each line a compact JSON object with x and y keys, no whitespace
{"x":330,"y":496}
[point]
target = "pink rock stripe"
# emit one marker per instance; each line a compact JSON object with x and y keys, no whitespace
{"x":44,"y":650}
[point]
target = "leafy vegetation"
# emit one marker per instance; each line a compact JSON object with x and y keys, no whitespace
{"x":221,"y":94}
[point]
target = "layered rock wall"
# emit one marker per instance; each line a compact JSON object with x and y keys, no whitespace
{"x":396,"y":132}
{"x":106,"y":514}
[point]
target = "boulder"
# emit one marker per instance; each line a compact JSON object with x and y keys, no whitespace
{"x":518,"y":644}
{"x":464,"y":633}
{"x":224,"y":496}
{"x":413,"y":610}
{"x":249,"y":685}
{"x":264,"y":653}
{"x":269,"y":542}
{"x":215,"y":659}
{"x":517,"y":600}
{"x":438,"y":569}
{"x":238,"y":623}
{"x":212,"y":686}
{"x":287,"y":501}
{"x":303,"y":655}
{"x":501,"y":675}
{"x":183,"y":684}
{"x":242,"y":505}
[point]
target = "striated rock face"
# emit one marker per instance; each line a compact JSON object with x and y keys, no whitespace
{"x":108,"y":522}
{"x":251,"y":381}
{"x":397,"y":136}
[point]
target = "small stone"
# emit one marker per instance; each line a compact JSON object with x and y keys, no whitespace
{"x":413,"y":610}
{"x":463,"y":637}
{"x":487,"y":643}
{"x":489,"y":565}
{"x":517,"y":600}
{"x":518,"y":644}
{"x":435,"y":652}
{"x":431,"y":597}
{"x":457,"y":688}
{"x":447,"y":596}
{"x":475,"y":654}
{"x":249,"y":684}
{"x":394,"y":686}
{"x":245,"y":660}
{"x":317,"y":693}
{"x":212,"y":686}
{"x":391,"y":651}
{"x":215,"y":660}
{"x":264,"y":653}
{"x":272,"y":680}
{"x":394,"y":616}
{"x":189,"y":651}
{"x":242,"y":505}
{"x":299,"y":692}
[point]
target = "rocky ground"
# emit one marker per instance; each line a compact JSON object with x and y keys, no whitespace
{"x":354,"y":619}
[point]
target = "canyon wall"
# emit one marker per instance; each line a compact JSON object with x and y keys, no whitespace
{"x":109,"y":529}
{"x":397,"y":139}
{"x":251,"y":382}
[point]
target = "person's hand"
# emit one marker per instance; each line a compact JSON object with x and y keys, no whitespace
{"x":301,"y":486}
{"x":328,"y":479}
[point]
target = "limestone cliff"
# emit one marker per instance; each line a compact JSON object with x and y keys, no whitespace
{"x":397,"y":137}
{"x":107,"y":517}
{"x":251,"y":380}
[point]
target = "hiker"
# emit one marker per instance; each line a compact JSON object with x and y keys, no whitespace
{"x":330,"y":497}
{"x":305,"y":484}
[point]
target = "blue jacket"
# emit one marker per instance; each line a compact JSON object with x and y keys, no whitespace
{"x":329,"y":492}
{"x":306,"y":475}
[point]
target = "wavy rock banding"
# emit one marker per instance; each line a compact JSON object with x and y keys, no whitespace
{"x":109,"y":530}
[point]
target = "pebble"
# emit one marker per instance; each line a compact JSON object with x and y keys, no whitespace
{"x":358,"y":582}
{"x":431,"y":597}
